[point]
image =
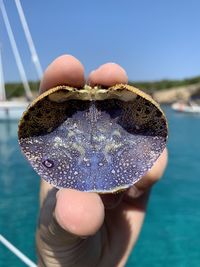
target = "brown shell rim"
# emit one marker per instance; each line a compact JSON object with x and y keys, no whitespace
{"x":115,"y":87}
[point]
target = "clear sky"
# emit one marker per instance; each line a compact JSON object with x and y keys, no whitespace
{"x":151,"y":39}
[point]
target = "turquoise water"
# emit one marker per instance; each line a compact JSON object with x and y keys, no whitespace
{"x":19,"y":187}
{"x":171,"y":232}
{"x":170,"y":236}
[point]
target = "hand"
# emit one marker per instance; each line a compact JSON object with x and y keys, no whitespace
{"x":85,"y":229}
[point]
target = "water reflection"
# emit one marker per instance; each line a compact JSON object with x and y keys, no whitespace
{"x":9,"y":152}
{"x":19,"y":187}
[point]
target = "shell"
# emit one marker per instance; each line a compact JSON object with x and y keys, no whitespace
{"x":93,"y":139}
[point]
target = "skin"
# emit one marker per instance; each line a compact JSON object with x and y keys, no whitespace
{"x":86,"y":229}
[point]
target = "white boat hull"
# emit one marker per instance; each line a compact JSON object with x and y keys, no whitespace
{"x":181,"y":107}
{"x":12,"y":110}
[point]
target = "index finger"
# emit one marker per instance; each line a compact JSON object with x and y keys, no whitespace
{"x":65,"y":69}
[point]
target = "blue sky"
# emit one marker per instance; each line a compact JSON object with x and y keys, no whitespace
{"x":151,"y":39}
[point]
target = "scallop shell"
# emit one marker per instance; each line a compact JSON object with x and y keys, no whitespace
{"x":93,"y":139}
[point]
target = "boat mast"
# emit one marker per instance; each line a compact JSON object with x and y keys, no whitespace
{"x":29,"y":39}
{"x":15,"y":51}
{"x":2,"y":84}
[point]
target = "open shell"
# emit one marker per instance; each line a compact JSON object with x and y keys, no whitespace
{"x":93,"y":139}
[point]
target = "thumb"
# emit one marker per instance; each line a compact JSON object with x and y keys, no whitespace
{"x":65,"y":217}
{"x":68,"y":214}
{"x":79,"y":213}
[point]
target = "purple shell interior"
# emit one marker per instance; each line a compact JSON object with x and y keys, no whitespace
{"x":95,"y":149}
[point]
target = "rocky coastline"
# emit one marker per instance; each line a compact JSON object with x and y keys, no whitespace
{"x":171,"y":95}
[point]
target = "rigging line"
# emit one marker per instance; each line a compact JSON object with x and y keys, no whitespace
{"x":15,"y":51}
{"x":29,"y":39}
{"x":17,"y":252}
{"x":2,"y":84}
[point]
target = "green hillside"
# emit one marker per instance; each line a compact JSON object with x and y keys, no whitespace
{"x":16,"y":89}
{"x":164,"y":84}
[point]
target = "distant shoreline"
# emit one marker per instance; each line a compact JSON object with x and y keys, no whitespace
{"x":164,"y":91}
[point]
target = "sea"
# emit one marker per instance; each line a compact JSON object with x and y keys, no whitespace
{"x":170,"y":236}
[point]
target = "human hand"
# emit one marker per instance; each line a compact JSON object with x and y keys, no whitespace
{"x":86,"y":229}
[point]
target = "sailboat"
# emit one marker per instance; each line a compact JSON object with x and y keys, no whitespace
{"x":9,"y":110}
{"x":13,"y":109}
{"x":190,"y":107}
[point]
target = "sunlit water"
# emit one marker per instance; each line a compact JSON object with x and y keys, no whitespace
{"x":19,"y":187}
{"x":170,"y":236}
